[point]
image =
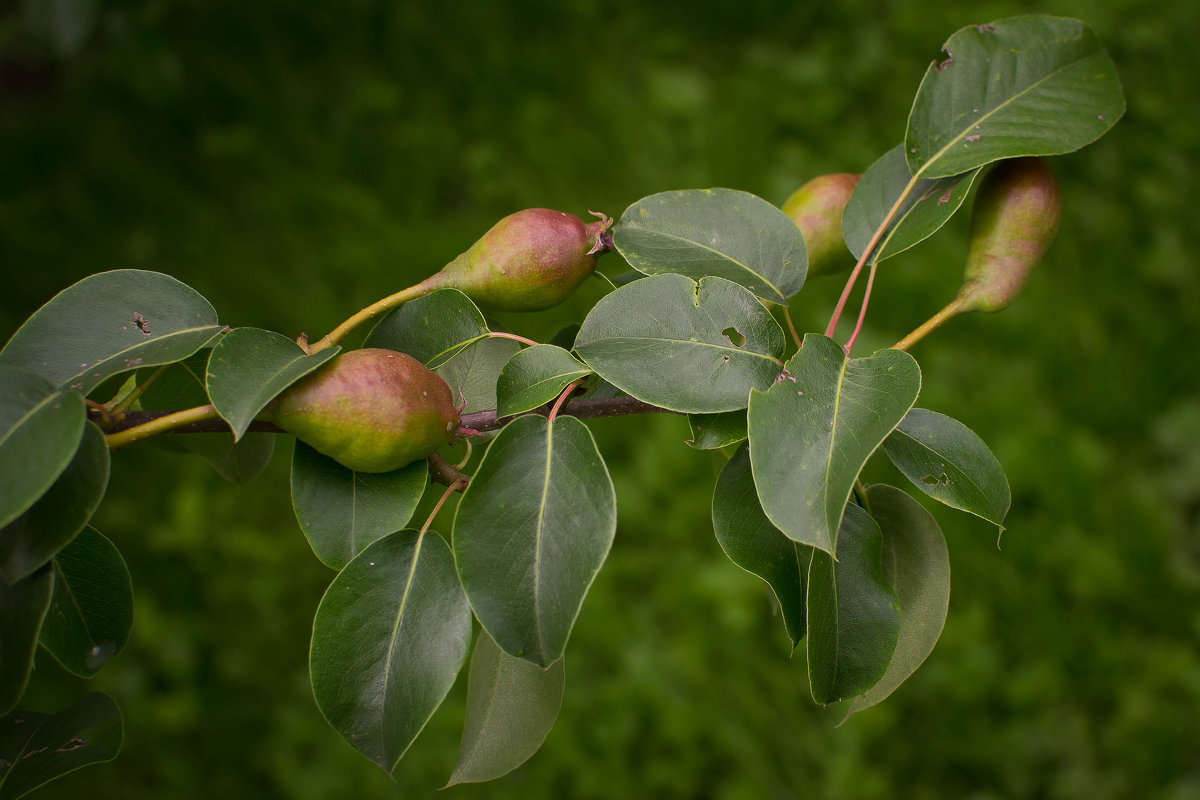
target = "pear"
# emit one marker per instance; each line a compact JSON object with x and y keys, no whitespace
{"x":371,"y":410}
{"x":529,"y":261}
{"x":1013,"y":222}
{"x":816,"y":208}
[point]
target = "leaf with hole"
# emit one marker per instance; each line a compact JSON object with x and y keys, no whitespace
{"x":511,"y":707}
{"x":719,"y":232}
{"x":33,"y":538}
{"x":249,"y":367}
{"x":949,"y":462}
{"x":37,"y":748}
{"x":926,"y":208}
{"x":812,"y":432}
{"x":111,"y":323}
{"x":389,"y":638}
{"x":342,"y":511}
{"x":1022,"y":86}
{"x":432,"y":329}
{"x":754,"y":544}
{"x":682,"y":345}
{"x":853,"y":613}
{"x":535,"y":376}
{"x":40,"y":431}
{"x":22,"y":609}
{"x":532,"y":530}
{"x":917,"y":566}
{"x":91,"y":612}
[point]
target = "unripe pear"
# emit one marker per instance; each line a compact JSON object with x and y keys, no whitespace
{"x":1013,"y":222}
{"x":529,"y":261}
{"x":371,"y":410}
{"x":816,"y":208}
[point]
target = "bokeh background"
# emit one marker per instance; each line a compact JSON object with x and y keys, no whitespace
{"x":295,"y":161}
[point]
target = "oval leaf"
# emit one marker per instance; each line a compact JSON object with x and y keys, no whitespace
{"x":917,"y":565}
{"x":532,"y":530}
{"x":927,"y":206}
{"x":757,"y":546}
{"x":1022,"y":86}
{"x":389,"y":637}
{"x":535,"y":376}
{"x":40,"y":431}
{"x":432,"y":329}
{"x":249,"y":367}
{"x":472,"y":375}
{"x":37,"y":748}
{"x":722,"y":232}
{"x":511,"y":707}
{"x":22,"y":608}
{"x":91,"y":612}
{"x":110,"y":323}
{"x":684,"y":346}
{"x":853,"y":614}
{"x":52,"y":522}
{"x":812,"y":432}
{"x":949,"y":462}
{"x":342,"y":511}
{"x":713,"y":431}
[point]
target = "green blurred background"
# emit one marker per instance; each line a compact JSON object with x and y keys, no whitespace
{"x":295,"y":161}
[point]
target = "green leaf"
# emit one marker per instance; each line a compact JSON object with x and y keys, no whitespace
{"x":40,"y":431}
{"x":91,"y":612}
{"x":22,"y":608}
{"x":853,"y":614}
{"x":925,"y":209}
{"x":535,"y":376}
{"x":757,"y":546}
{"x":249,"y":367}
{"x":111,"y":323}
{"x":532,"y":530}
{"x":37,"y":748}
{"x":342,"y":511}
{"x":389,"y":637}
{"x":812,"y":432}
{"x":713,"y":431}
{"x":432,"y":329}
{"x":730,"y":234}
{"x":33,"y":538}
{"x":949,"y":462}
{"x":1022,"y":86}
{"x":511,"y":707}
{"x":917,"y":566}
{"x":472,"y":375}
{"x":671,"y":342}
{"x":181,"y":385}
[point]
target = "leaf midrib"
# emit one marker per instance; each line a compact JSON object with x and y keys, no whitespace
{"x":723,"y":255}
{"x":958,"y":137}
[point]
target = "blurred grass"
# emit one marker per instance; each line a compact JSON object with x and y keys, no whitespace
{"x":296,"y":161}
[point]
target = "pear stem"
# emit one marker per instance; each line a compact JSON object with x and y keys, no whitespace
{"x":159,"y":425}
{"x":952,"y":309}
{"x":375,"y":309}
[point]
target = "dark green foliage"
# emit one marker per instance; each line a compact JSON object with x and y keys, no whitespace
{"x":313,"y":148}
